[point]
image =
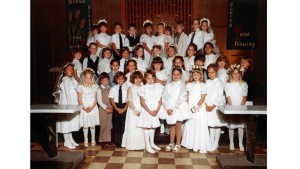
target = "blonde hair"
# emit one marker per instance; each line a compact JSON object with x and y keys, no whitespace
{"x":230,"y":79}
{"x":88,"y":71}
{"x":196,"y":71}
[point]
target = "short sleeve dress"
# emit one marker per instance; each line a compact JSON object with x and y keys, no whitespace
{"x":236,"y":91}
{"x":90,"y":119}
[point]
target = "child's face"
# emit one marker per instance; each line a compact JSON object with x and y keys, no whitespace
{"x":176,"y":76}
{"x":245,"y":64}
{"x":118,"y":29}
{"x":221,"y":64}
{"x":178,"y":62}
{"x":69,"y":71}
{"x":115,"y":66}
{"x":139,"y":52}
{"x":132,"y":31}
{"x":160,"y":29}
{"x":168,"y":33}
{"x":195,"y":24}
{"x":131,"y":67}
{"x":179,"y":28}
{"x":120,"y":80}
{"x":199,"y":63}
{"x":104,"y":81}
{"x":93,"y":49}
{"x":236,"y":75}
{"x":125,"y":54}
{"x":103,"y":29}
{"x":212,"y":74}
{"x":95,"y":32}
{"x":149,"y":30}
{"x":191,"y":51}
{"x":107,"y":54}
{"x":196,"y":76}
{"x":78,"y":55}
{"x":137,"y":81}
{"x":208,"y":49}
{"x":156,"y":51}
{"x":88,"y":79}
{"x":171,"y":52}
{"x":149,"y":79}
{"x":204,"y":26}
{"x":157,"y":66}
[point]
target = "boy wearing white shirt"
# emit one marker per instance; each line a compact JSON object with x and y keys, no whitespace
{"x":131,"y":39}
{"x":196,"y":36}
{"x":118,"y":40}
{"x":93,"y":60}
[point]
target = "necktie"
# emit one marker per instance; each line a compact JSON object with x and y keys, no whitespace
{"x":121,"y":42}
{"x":120,"y":95}
{"x":125,"y":66}
{"x":192,"y":39}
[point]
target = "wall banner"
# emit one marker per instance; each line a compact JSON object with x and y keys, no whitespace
{"x":242,"y":20}
{"x":79,"y":21}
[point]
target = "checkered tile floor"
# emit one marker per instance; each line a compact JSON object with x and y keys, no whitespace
{"x":120,"y":158}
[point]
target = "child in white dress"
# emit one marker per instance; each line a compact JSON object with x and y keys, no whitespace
{"x":210,"y":56}
{"x":162,"y":39}
{"x":68,"y":123}
{"x":102,"y":39}
{"x":236,"y":94}
{"x":178,"y":61}
{"x":168,"y":62}
{"x":214,"y":98}
{"x":223,"y":64}
{"x":139,"y":57}
{"x":175,"y":103}
{"x":89,"y":114}
{"x":77,"y":54}
{"x":151,"y":101}
{"x":92,"y":38}
{"x":133,"y":137}
{"x":130,"y":68}
{"x":148,"y":40}
{"x":104,"y":63}
{"x":161,"y":77}
{"x":190,"y":56}
{"x":169,"y":34}
{"x":196,"y":133}
{"x":207,"y":30}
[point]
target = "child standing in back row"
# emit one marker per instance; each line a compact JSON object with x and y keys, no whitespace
{"x":89,"y":115}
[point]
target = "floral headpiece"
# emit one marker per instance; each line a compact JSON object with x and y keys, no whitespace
{"x":164,"y":24}
{"x":205,"y":19}
{"x":102,"y":20}
{"x":147,"y":21}
{"x":88,"y":69}
{"x":196,"y":68}
{"x":235,"y":67}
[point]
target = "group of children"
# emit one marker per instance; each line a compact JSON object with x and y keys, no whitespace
{"x":134,"y":88}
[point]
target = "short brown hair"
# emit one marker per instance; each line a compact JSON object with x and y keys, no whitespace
{"x":223,"y":58}
{"x":119,"y":74}
{"x":248,"y":58}
{"x":214,"y":66}
{"x":151,"y":72}
{"x":103,"y":75}
{"x":135,"y":75}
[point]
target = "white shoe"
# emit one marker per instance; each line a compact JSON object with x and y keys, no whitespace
{"x":231,"y":147}
{"x":74,"y":144}
{"x":86,"y":143}
{"x":169,"y":147}
{"x":69,"y":145}
{"x":242,"y":148}
{"x":155,"y":147}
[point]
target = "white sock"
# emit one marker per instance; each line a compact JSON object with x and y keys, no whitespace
{"x":72,"y":140}
{"x":152,"y":133}
{"x":212,"y":136}
{"x":147,"y":141}
{"x":162,"y":126}
{"x":93,"y":133}
{"x":241,"y":135}
{"x":217,"y":137}
{"x":85,"y":133}
{"x":66,"y":138}
{"x":231,"y":135}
